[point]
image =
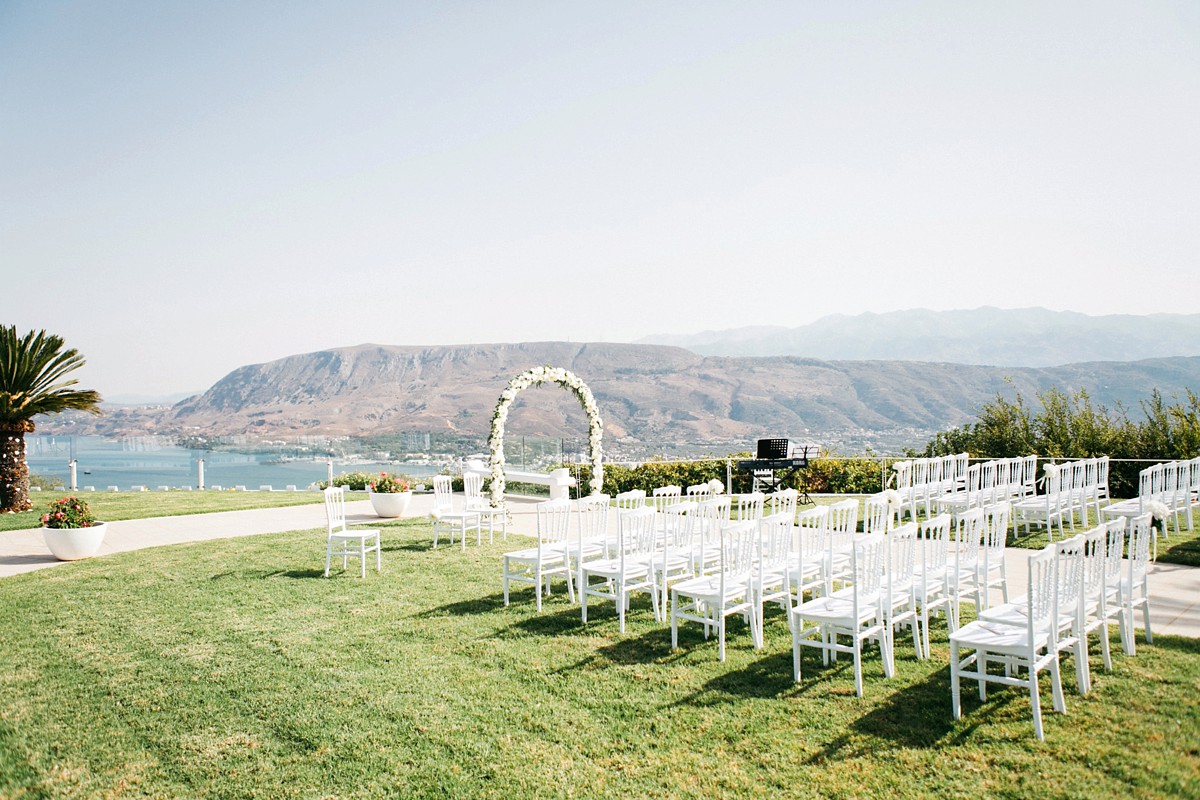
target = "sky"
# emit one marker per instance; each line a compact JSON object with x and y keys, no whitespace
{"x":186,"y":188}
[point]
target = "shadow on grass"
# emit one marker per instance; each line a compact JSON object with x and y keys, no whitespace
{"x":475,"y":605}
{"x":917,"y":716}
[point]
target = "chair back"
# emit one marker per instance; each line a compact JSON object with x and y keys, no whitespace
{"x":677,"y":524}
{"x":1070,"y":577}
{"x":1141,"y":531}
{"x":553,"y":521}
{"x":901,"y":562}
{"x":1114,"y":551}
{"x":783,"y":501}
{"x":995,"y":528}
{"x":812,"y":526}
{"x":592,"y":516}
{"x":878,"y":516}
{"x":635,"y":529}
{"x":1042,"y":597}
{"x":935,"y":543}
{"x":739,"y":545}
{"x":335,"y":509}
{"x":775,"y":541}
{"x":903,"y":477}
{"x":473,"y":491}
{"x":699,"y":491}
{"x":843,"y":524}
{"x":665,"y":496}
{"x":1095,"y":547}
{"x":868,"y":563}
{"x":969,"y":535}
{"x":443,"y":493}
{"x":1029,"y":476}
{"x":634,"y":498}
{"x":750,"y":506}
{"x":712,"y":515}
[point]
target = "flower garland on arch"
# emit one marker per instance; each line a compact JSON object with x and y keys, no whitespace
{"x":536,"y":377}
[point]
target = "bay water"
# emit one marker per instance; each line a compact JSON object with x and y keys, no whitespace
{"x":153,"y":462}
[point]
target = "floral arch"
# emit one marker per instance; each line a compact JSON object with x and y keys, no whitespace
{"x":536,"y":377}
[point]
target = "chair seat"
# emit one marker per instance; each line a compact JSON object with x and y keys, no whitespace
{"x":354,"y":536}
{"x":997,"y":637}
{"x":837,"y":609}
{"x":548,"y":555}
{"x":611,"y":567}
{"x":708,"y":588}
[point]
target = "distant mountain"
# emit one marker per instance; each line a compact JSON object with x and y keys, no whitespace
{"x":1027,"y":337}
{"x":645,"y":392}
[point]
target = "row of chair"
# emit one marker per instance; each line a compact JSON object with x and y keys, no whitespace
{"x":1076,"y":587}
{"x":1172,"y":489}
{"x":1069,"y":491}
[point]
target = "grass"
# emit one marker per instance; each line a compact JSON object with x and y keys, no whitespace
{"x":113,"y":506}
{"x":232,"y":669}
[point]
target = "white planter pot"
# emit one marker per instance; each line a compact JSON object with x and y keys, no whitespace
{"x":72,"y":544}
{"x":390,"y":504}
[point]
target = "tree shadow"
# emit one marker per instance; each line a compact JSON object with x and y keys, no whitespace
{"x":469,"y":607}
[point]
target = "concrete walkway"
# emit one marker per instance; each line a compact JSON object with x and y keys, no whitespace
{"x":1174,"y":589}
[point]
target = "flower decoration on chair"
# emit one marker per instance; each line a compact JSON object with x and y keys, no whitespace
{"x":536,"y":377}
{"x":390,"y":484}
{"x":716,"y":487}
{"x":893,"y":498}
{"x":69,"y":512}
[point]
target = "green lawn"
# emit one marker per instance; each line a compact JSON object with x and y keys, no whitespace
{"x":233,"y":669}
{"x":112,"y":506}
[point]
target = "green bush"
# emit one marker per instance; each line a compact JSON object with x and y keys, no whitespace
{"x":357,"y":481}
{"x":1068,"y":426}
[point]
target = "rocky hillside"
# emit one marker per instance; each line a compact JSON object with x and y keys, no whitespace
{"x":645,"y":392}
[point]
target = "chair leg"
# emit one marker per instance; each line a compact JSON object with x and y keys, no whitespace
{"x":1035,"y":700}
{"x":955,"y":689}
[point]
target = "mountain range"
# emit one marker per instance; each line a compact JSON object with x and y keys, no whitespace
{"x":1027,"y":337}
{"x":645,"y":393}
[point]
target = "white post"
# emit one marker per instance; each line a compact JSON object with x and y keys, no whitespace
{"x":200,"y":465}
{"x":330,"y":473}
{"x":74,"y":482}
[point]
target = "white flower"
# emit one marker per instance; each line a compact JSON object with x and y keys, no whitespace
{"x":716,"y":486}
{"x":435,"y":515}
{"x":893,"y":498}
{"x":1051,"y":470}
{"x":1157,"y":509}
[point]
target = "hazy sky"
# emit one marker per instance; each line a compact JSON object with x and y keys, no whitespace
{"x":189,"y":187}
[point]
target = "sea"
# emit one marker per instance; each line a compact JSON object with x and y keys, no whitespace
{"x":154,"y":462}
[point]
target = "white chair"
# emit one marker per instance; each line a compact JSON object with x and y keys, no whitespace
{"x":855,"y":611}
{"x":993,"y":574}
{"x":343,"y":542}
{"x":675,"y":560}
{"x":699,"y":491}
{"x":1094,"y":606}
{"x":807,"y":570}
{"x":1134,"y":589}
{"x":631,"y":570}
{"x":446,"y":518}
{"x":899,"y":586}
{"x":1029,"y":646}
{"x":931,"y":591}
{"x":712,"y":515}
{"x":771,"y":566}
{"x":1069,"y":630}
{"x":537,"y":565}
{"x":1048,"y":508}
{"x":711,"y":599}
{"x":478,"y":504}
{"x":962,"y":582}
{"x":592,"y":540}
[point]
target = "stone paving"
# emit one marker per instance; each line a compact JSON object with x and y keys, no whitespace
{"x":1174,"y":589}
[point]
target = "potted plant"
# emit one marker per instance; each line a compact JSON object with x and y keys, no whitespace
{"x":390,"y":495}
{"x":71,"y":530}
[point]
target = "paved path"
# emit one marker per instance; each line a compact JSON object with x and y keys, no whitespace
{"x":1174,"y":590}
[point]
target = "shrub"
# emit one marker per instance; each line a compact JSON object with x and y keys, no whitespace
{"x":69,"y":512}
{"x":390,"y":484}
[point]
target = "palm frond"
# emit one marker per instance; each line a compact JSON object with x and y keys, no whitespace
{"x":33,"y":370}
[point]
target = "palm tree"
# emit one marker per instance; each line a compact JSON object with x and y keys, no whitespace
{"x":32,"y":369}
